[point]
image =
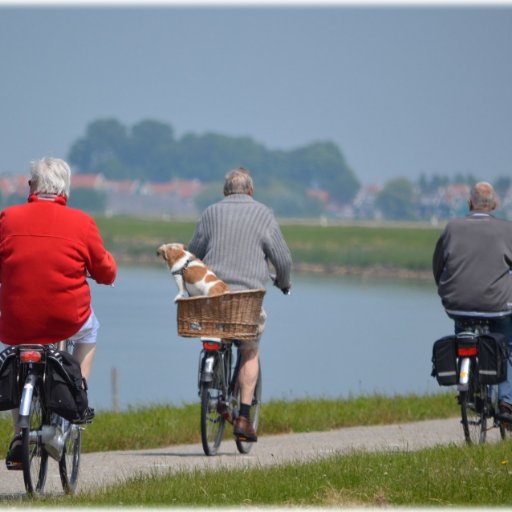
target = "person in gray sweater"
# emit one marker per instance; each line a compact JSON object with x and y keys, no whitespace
{"x":237,"y":238}
{"x":472,"y":265}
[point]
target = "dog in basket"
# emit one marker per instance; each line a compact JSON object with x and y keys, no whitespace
{"x":190,"y":273}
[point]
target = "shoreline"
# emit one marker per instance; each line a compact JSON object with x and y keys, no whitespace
{"x":379,"y":271}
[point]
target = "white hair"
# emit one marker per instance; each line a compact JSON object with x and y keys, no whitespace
{"x":238,"y":181}
{"x":50,"y":176}
{"x":483,"y":196}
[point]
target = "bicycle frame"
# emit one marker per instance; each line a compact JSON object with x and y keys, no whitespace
{"x":43,"y":432}
{"x":478,"y":401}
{"x":219,"y":393}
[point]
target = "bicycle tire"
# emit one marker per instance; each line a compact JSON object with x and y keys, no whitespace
{"x":34,"y":455}
{"x":69,"y":464}
{"x":474,"y":407}
{"x":212,"y":422}
{"x":244,"y":446}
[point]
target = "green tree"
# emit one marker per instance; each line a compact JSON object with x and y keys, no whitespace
{"x":151,"y":151}
{"x":323,"y":165}
{"x":397,"y":200}
{"x":103,"y":149}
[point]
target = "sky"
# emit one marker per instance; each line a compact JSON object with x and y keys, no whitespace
{"x":402,"y":89}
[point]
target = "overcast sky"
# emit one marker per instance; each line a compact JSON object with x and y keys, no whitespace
{"x":401,"y":90}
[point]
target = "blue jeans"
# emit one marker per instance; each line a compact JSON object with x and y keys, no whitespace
{"x":502,"y":325}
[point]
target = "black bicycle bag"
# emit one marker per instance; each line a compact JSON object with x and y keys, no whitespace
{"x":9,"y":387}
{"x":492,"y":358}
{"x":444,"y":361}
{"x":65,"y":387}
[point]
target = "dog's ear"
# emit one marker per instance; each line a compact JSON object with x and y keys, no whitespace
{"x":185,"y":248}
{"x":162,"y":252}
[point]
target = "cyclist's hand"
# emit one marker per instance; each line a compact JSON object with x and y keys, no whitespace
{"x":286,"y":290}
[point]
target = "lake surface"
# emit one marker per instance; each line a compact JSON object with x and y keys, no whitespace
{"x":333,"y":337}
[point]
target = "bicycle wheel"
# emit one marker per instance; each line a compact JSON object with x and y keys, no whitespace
{"x":212,"y":422}
{"x":34,"y":455}
{"x":69,"y":463}
{"x":474,"y":408}
{"x":244,"y":446}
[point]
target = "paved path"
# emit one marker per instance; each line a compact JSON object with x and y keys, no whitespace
{"x":107,"y":468}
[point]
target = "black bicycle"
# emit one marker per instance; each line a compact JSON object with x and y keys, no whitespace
{"x":477,"y":398}
{"x":44,"y":434}
{"x":474,"y":360}
{"x":220,"y":393}
{"x":223,"y":323}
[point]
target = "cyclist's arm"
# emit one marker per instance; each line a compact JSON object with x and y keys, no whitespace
{"x":198,"y":244}
{"x":279,"y":255}
{"x":101,"y":265}
{"x":438,"y":260}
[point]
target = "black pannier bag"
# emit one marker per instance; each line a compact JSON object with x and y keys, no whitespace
{"x":9,"y":387}
{"x":492,"y":358}
{"x":65,"y":387}
{"x":444,"y":361}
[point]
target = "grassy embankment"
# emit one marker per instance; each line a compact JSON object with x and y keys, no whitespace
{"x":442,"y":477}
{"x":404,"y":251}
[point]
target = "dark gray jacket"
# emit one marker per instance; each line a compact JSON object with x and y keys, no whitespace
{"x":236,"y":238}
{"x":472,"y":265}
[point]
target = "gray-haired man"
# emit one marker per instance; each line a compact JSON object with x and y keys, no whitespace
{"x":237,"y":238}
{"x":472,"y":265}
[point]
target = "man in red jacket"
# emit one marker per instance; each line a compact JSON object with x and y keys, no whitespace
{"x":46,"y":252}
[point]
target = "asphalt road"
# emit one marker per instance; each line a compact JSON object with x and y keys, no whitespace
{"x":107,"y":468}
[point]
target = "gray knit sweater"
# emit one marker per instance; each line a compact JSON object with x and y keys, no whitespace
{"x":236,"y":238}
{"x":472,"y":262}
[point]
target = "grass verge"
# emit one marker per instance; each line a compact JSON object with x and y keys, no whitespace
{"x":443,"y":476}
{"x":312,"y":246}
{"x":165,"y":425}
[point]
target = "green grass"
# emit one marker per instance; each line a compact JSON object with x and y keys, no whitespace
{"x":165,"y":425}
{"x":443,"y":476}
{"x":408,"y":247}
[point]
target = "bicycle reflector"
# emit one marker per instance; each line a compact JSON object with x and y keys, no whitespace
{"x":30,"y":356}
{"x":211,"y":345}
{"x":467,"y":351}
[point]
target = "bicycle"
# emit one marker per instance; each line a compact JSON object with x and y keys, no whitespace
{"x":220,"y":393}
{"x":44,"y":433}
{"x":220,"y":322}
{"x":477,"y":398}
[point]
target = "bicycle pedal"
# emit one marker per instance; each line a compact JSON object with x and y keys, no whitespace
{"x":14,"y":466}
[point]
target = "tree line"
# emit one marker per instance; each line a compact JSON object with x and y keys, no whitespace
{"x":149,"y":150}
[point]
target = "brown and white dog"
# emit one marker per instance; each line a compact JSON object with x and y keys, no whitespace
{"x":190,"y":273}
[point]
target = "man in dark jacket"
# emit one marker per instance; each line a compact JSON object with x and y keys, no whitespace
{"x":472,"y":265}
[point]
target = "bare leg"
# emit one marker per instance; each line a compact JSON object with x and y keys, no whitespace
{"x":84,"y":353}
{"x":248,"y":375}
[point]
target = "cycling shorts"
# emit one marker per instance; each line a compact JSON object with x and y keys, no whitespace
{"x":86,"y":334}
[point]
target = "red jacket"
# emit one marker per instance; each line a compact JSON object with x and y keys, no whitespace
{"x":46,"y":249}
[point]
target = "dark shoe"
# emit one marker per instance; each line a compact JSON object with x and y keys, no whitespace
{"x":505,"y":411}
{"x":87,"y":416}
{"x":244,"y":431}
{"x":13,"y":461}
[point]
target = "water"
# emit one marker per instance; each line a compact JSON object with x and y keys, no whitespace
{"x":332,"y":337}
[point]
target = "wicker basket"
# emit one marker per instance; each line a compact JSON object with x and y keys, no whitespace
{"x":233,"y":315}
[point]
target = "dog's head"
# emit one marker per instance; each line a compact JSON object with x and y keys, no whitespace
{"x":171,"y":253}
